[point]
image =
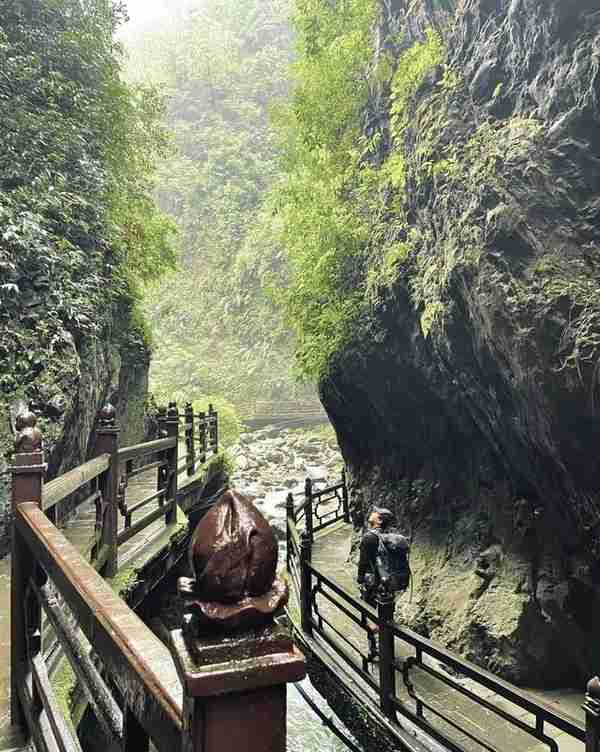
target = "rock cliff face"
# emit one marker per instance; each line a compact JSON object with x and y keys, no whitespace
{"x":470,"y":404}
{"x":67,"y":396}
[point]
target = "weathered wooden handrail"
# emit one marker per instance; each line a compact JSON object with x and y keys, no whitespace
{"x":149,"y":447}
{"x":137,"y":527}
{"x":57,"y":490}
{"x":107,"y":711}
{"x":66,"y":741}
{"x":137,"y":665}
{"x":128,"y":650}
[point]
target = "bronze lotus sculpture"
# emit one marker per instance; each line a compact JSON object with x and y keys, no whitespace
{"x":233,"y":555}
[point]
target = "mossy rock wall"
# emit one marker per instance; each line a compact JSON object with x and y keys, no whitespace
{"x":67,"y":396}
{"x":471,"y":393}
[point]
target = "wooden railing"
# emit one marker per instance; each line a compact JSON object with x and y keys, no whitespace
{"x":201,"y":436}
{"x":140,"y":690}
{"x":131,"y":700}
{"x":355,"y":632}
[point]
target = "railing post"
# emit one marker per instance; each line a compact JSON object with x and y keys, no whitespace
{"x":189,"y":439}
{"x":202,"y":435}
{"x":214,"y":429}
{"x":161,"y":420}
{"x":289,"y":515}
{"x":387,"y":666}
{"x":306,"y":583}
{"x":345,"y":503}
{"x":107,"y":442}
{"x":26,"y":618}
{"x":308,"y":514}
{"x":234,"y":690}
{"x":172,"y":458}
{"x":592,"y":715}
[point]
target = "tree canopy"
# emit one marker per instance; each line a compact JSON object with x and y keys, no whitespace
{"x":79,"y":230}
{"x":223,"y":66}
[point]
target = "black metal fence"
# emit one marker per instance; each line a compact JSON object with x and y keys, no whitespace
{"x":321,"y":507}
{"x":449,"y":698}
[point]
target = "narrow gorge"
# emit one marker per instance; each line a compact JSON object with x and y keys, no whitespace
{"x":465,"y":395}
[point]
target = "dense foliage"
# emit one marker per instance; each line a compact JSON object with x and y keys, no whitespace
{"x":223,"y":65}
{"x":79,"y":230}
{"x":343,"y":199}
{"x":325,"y":201}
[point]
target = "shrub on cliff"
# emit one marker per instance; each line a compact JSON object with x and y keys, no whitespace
{"x":78,"y":228}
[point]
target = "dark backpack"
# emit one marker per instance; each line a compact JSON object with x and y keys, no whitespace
{"x":392,"y":560}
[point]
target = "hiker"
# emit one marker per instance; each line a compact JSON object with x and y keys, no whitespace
{"x":383,"y":556}
{"x":383,"y":559}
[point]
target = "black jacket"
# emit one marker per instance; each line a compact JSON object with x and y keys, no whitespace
{"x":368,"y":553}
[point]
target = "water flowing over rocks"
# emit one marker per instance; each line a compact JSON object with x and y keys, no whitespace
{"x":271,"y":463}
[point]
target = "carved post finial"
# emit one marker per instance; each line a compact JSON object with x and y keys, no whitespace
{"x":161,"y":419}
{"x":234,"y":558}
{"x":29,"y":437}
{"x":107,"y":416}
{"x":593,"y":688}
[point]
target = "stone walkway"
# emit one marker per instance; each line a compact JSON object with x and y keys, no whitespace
{"x":79,"y":530}
{"x":331,"y":556}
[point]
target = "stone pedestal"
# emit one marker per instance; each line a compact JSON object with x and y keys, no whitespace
{"x":235,"y":688}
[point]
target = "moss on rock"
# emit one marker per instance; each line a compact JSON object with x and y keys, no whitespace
{"x":475,"y":366}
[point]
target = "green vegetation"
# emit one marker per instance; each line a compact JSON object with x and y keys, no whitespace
{"x":329,"y":196}
{"x":79,"y":231}
{"x":126,"y":578}
{"x":342,"y":201}
{"x":63,"y":682}
{"x":413,"y":68}
{"x":223,"y":66}
{"x":297,"y":216}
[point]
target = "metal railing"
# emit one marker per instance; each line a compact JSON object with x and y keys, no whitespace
{"x":321,"y":507}
{"x":355,"y":633}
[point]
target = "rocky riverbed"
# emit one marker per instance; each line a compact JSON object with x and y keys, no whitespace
{"x":271,"y":463}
